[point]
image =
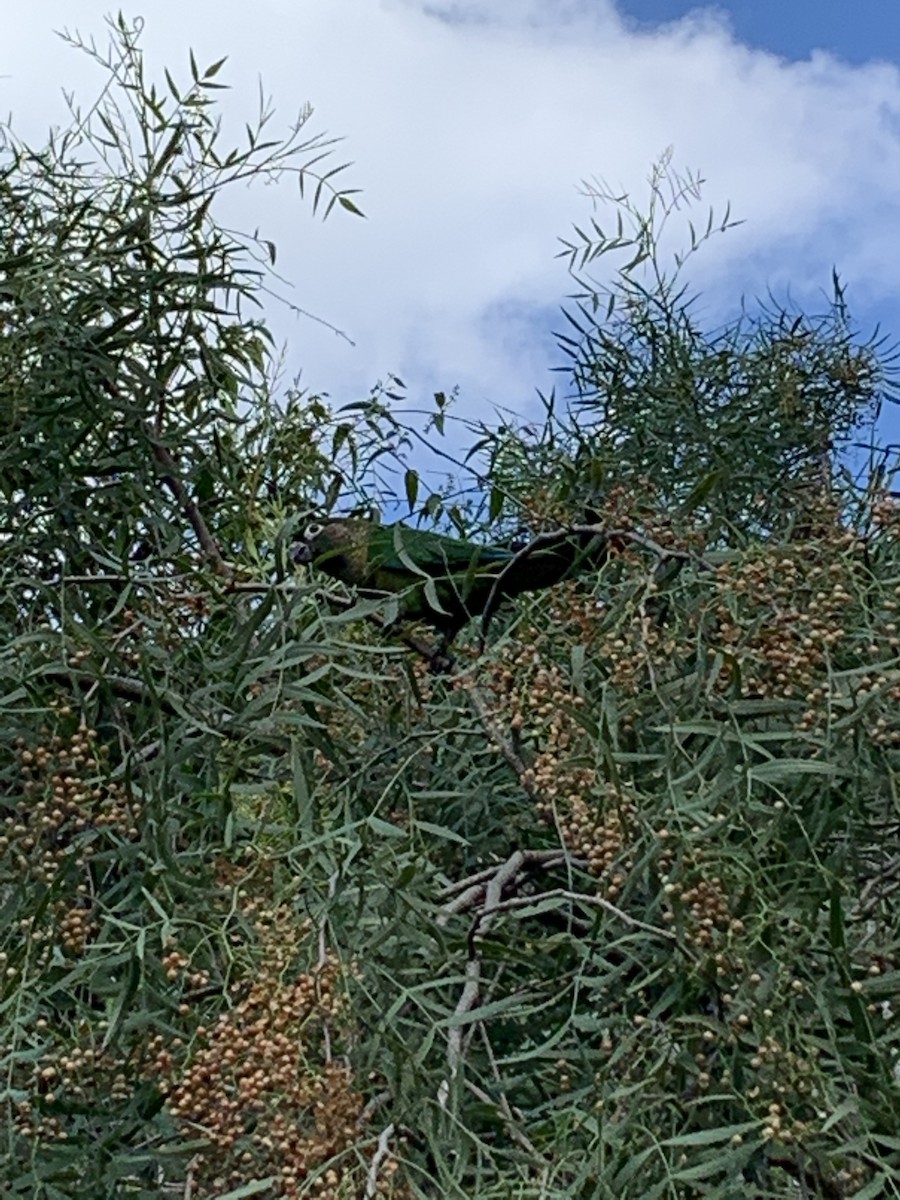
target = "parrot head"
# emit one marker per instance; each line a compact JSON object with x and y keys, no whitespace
{"x":339,"y":547}
{"x":302,"y":550}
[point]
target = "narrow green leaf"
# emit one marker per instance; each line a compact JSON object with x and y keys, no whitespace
{"x":411,"y":484}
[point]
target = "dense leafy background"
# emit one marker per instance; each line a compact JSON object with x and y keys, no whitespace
{"x":610,"y":909}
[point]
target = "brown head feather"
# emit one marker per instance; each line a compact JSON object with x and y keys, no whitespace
{"x":340,"y":549}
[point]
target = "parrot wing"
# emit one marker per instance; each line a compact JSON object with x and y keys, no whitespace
{"x":443,"y":580}
{"x":401,"y":550}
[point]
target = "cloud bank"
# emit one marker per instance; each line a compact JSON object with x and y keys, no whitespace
{"x":470,"y":124}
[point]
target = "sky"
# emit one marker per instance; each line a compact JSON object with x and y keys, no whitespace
{"x":856,"y":32}
{"x":472,"y":126}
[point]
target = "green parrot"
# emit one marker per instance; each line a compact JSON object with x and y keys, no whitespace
{"x":443,"y":580}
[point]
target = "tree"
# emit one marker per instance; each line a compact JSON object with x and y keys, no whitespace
{"x":609,"y":910}
{"x":149,"y":479}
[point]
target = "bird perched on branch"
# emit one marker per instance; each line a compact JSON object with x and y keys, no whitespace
{"x":442,"y":580}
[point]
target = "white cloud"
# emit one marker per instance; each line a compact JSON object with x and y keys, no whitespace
{"x":471,"y":122}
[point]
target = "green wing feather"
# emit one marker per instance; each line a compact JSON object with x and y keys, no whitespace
{"x":401,"y":548}
{"x":443,"y":580}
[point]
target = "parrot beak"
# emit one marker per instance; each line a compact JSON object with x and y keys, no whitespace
{"x":302,"y":551}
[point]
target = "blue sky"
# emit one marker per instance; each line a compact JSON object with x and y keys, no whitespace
{"x":855,"y":30}
{"x":472,"y":125}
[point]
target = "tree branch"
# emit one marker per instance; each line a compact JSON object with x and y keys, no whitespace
{"x":175,"y":484}
{"x":599,"y":538}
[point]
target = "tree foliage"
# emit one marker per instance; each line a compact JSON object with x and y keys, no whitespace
{"x":610,"y":909}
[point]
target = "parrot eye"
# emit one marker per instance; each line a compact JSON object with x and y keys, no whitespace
{"x":302,"y":551}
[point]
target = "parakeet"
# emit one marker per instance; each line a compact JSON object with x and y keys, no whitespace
{"x":439,"y":579}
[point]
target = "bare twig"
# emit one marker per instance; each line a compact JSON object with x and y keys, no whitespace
{"x":591,"y":901}
{"x":372,"y":1107}
{"x":879,"y":887}
{"x":119,"y":685}
{"x":511,"y":1127}
{"x":143,"y":581}
{"x":382,"y":1151}
{"x":503,"y":1102}
{"x":166,"y":581}
{"x":323,"y":960}
{"x":323,"y":945}
{"x":138,"y":756}
{"x":485,"y":890}
{"x":493,"y":891}
{"x":541,"y":858}
{"x":503,"y":744}
{"x":175,"y":484}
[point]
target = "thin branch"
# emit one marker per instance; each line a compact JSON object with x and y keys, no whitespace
{"x":879,"y":887}
{"x":188,"y":506}
{"x":493,"y":890}
{"x":590,"y":900}
{"x":431,"y":654}
{"x":503,"y":1102}
{"x":511,"y":1127}
{"x":120,"y":685}
{"x":137,"y":756}
{"x":372,"y":1107}
{"x":159,"y":581}
{"x":497,"y":738}
{"x":543,"y":858}
{"x":599,"y":539}
{"x":485,"y":890}
{"x":382,"y":1151}
{"x":809,"y":1174}
{"x":466,"y":1001}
